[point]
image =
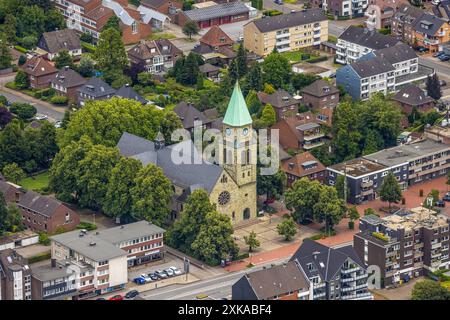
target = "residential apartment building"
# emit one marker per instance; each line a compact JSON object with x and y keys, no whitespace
{"x":303,"y":165}
{"x":15,"y":276}
{"x":385,"y":70}
{"x":156,"y":56}
{"x":410,"y":164}
{"x":101,"y":258}
{"x":333,"y":273}
{"x":66,"y":83}
{"x":356,"y":42}
{"x":284,"y":104}
{"x":286,"y":32}
{"x":402,"y":22}
{"x":320,"y":94}
{"x":338,"y":8}
{"x":379,"y":13}
{"x":412,"y":97}
{"x":405,"y":245}
{"x":90,"y":16}
{"x":94,"y":89}
{"x":44,"y":213}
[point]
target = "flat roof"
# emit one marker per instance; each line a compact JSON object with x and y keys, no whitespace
{"x":407,"y":152}
{"x":216,"y":11}
{"x":358,"y":167}
{"x":129,"y":231}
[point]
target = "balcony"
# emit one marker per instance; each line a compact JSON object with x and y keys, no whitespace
{"x":436,"y":245}
{"x":418,"y":245}
{"x":340,"y":45}
{"x":348,"y":279}
{"x":362,"y":276}
{"x":284,"y":49}
{"x":283,"y":41}
{"x":319,"y":285}
{"x":312,"y":145}
{"x":283,"y":35}
{"x":366,"y":295}
{"x":349,"y":270}
{"x":367,"y":192}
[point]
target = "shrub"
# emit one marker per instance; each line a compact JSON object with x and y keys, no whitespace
{"x":87,"y":225}
{"x":59,"y":100}
{"x":24,"y":111}
{"x":316,"y":237}
{"x":28,"y":42}
{"x":88,"y":47}
{"x":380,"y":236}
{"x":88,"y":38}
{"x":44,"y":239}
{"x":20,"y":49}
{"x":351,"y":225}
{"x":317,"y":59}
{"x":39,"y":257}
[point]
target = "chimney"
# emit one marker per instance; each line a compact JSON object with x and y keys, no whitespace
{"x":66,"y":68}
{"x":53,"y":263}
{"x":315,"y":254}
{"x":159,"y":141}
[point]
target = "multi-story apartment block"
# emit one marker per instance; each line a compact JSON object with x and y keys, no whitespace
{"x":90,"y":16}
{"x":379,"y":13}
{"x":345,"y":8}
{"x":284,"y":104}
{"x":404,"y":245}
{"x":286,"y":32}
{"x":356,"y":42}
{"x":386,"y":70}
{"x":15,"y":276}
{"x":102,"y":258}
{"x":402,"y":22}
{"x":44,"y":213}
{"x":155,"y":56}
{"x":333,"y":273}
{"x":410,"y":164}
{"x":320,"y":94}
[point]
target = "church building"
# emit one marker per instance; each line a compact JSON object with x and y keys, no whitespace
{"x":231,"y":184}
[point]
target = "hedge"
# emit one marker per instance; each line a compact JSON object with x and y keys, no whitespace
{"x":40,"y":257}
{"x":88,"y":47}
{"x":20,"y":48}
{"x":59,"y":100}
{"x":317,"y":59}
{"x":343,"y":17}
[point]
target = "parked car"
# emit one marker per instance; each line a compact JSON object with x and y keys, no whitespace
{"x":444,"y":57}
{"x":116,"y":297}
{"x":446,"y":197}
{"x":131,"y":294}
{"x":442,"y":83}
{"x":40,"y":117}
{"x":440,"y":203}
{"x":153,"y":276}
{"x":146,"y":278}
{"x":437,"y":54}
{"x":169,"y":272}
{"x":280,"y":2}
{"x":139,"y":280}
{"x":161,"y":274}
{"x":422,"y":49}
{"x":176,"y":271}
{"x":58,"y":124}
{"x":333,"y":75}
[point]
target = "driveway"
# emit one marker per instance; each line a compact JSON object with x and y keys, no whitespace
{"x":401,"y":293}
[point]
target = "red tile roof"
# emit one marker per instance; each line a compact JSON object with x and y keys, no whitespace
{"x":216,"y":37}
{"x":302,"y":164}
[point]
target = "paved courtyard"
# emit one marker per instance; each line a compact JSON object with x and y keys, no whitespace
{"x":403,"y":292}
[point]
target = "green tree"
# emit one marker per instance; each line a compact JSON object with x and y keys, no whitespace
{"x":118,"y":200}
{"x":429,"y":290}
{"x":301,"y":198}
{"x":5,"y":55}
{"x":31,"y":21}
{"x":251,"y":241}
{"x":86,"y":67}
{"x":340,"y":187}
{"x":5,"y":116}
{"x":13,"y":221}
{"x":151,"y":195}
{"x":63,"y":59}
{"x":110,"y":53}
{"x":215,"y":240}
{"x":190,"y":28}
{"x":3,"y":214}
{"x":185,"y":229}
{"x":272,"y":186}
{"x":301,"y":80}
{"x":114,"y":23}
{"x":93,"y":173}
{"x":390,"y":190}
{"x":269,"y":117}
{"x":241,"y":61}
{"x":24,"y":111}
{"x":276,"y":70}
{"x":268,"y":88}
{"x":21,"y":80}
{"x":9,"y":28}
{"x":12,"y":172}
{"x":287,"y":229}
{"x":13,"y":145}
{"x":353,"y":215}
{"x":254,"y":78}
{"x":329,"y":208}
{"x":434,"y":87}
{"x":54,"y":20}
{"x":169,"y":123}
{"x":253,"y":103}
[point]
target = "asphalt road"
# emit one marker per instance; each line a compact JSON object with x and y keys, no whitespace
{"x":216,"y":288}
{"x":441,"y":68}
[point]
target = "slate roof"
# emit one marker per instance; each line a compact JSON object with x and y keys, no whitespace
{"x":43,"y":204}
{"x":412,"y":95}
{"x":68,"y":78}
{"x":188,"y":114}
{"x":279,"y":99}
{"x":128,"y":92}
{"x":203,"y":174}
{"x":366,"y":38}
{"x":216,"y":37}
{"x":368,"y":68}
{"x":327,"y":261}
{"x":432,"y":21}
{"x":398,"y":53}
{"x":289,"y":20}
{"x":207,"y":67}
{"x":38,"y":66}
{"x":277,"y":280}
{"x":96,"y":87}
{"x":149,"y":49}
{"x":407,"y":13}
{"x":217,"y":11}
{"x":320,"y":88}
{"x":56,"y":41}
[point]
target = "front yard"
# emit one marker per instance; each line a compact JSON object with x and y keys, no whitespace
{"x":37,"y":182}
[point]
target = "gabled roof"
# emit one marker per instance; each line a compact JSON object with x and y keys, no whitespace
{"x":56,"y":41}
{"x":127,"y":92}
{"x":149,"y":49}
{"x":217,"y":11}
{"x":412,"y":95}
{"x":366,"y":38}
{"x":237,"y":114}
{"x":196,"y":172}
{"x":428,"y":24}
{"x":371,"y":67}
{"x":207,"y":67}
{"x":216,"y":37}
{"x":325,"y":260}
{"x":320,"y":88}
{"x":408,"y":13}
{"x":289,"y":20}
{"x":38,"y":66}
{"x":398,"y":53}
{"x":153,"y":3}
{"x":68,"y":78}
{"x":149,"y":14}
{"x":42,"y":204}
{"x":279,"y":99}
{"x":188,"y":114}
{"x":302,"y":164}
{"x":277,"y":280}
{"x":96,"y":87}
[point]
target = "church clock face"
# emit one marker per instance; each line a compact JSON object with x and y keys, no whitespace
{"x":228,"y":131}
{"x":224,"y":198}
{"x":245,"y":131}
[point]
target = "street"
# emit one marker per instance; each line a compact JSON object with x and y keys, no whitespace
{"x":216,"y":288}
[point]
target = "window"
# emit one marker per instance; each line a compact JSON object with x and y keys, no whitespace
{"x":134,"y":27}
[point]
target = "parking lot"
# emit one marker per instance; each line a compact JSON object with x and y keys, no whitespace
{"x":168,"y":261}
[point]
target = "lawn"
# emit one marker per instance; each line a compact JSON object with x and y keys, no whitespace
{"x":37,"y":182}
{"x":161,"y":35}
{"x":293,"y":56}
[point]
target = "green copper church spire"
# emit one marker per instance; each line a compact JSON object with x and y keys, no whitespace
{"x":237,"y":114}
